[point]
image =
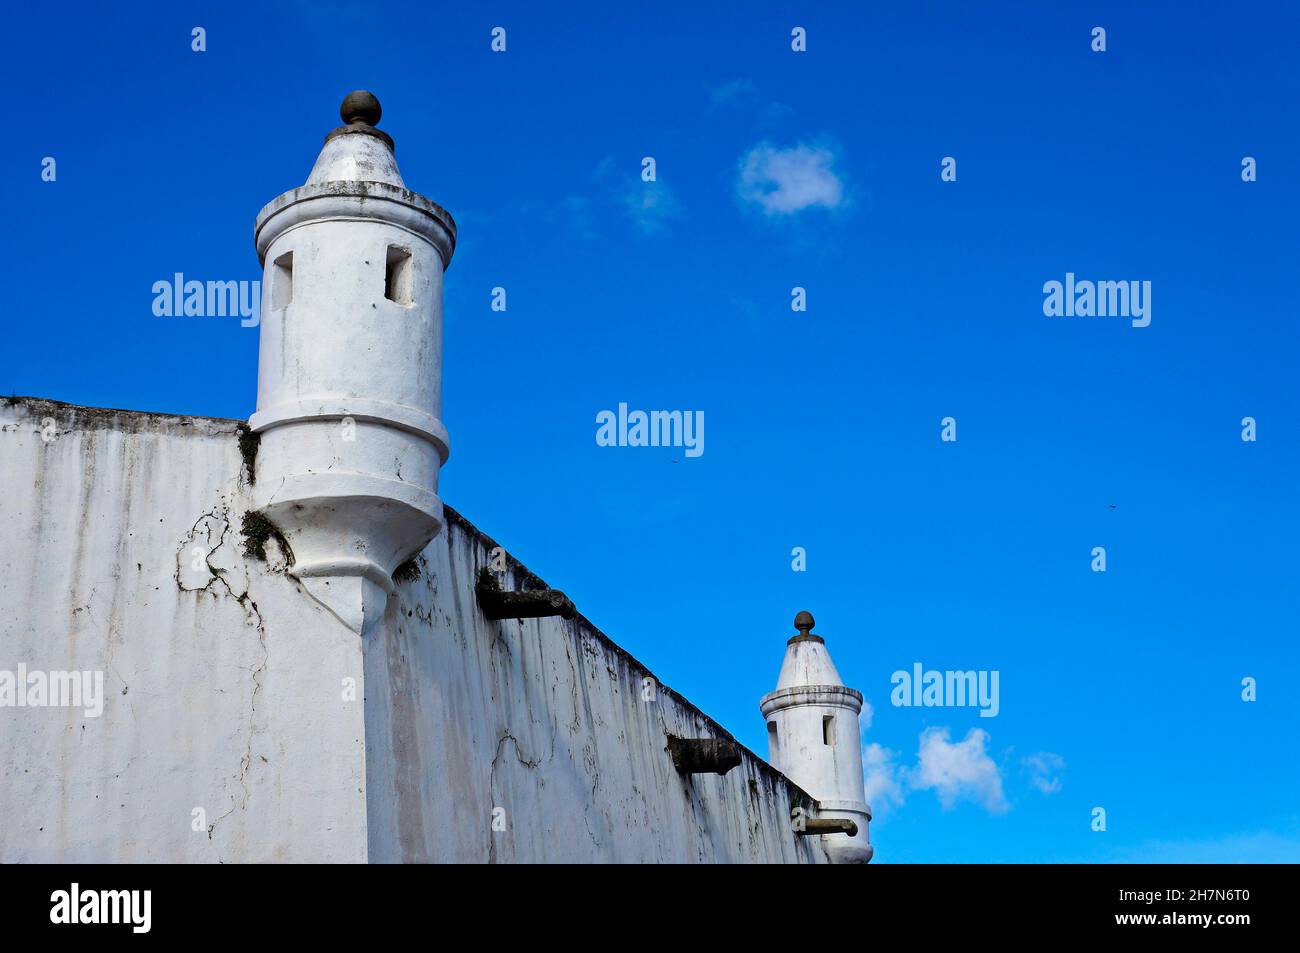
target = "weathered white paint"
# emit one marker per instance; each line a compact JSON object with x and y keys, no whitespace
{"x":225,"y":689}
{"x":221,"y":688}
{"x":349,"y":389}
{"x":815,"y":739}
{"x":304,"y":706}
{"x":550,"y":721}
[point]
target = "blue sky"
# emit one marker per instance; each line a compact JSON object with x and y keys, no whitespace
{"x":778,"y":169}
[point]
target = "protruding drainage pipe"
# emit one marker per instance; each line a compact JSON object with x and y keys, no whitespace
{"x":498,"y":603}
{"x":808,"y":826}
{"x":703,"y":755}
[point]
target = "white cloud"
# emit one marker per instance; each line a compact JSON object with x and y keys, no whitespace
{"x":961,"y":770}
{"x":786,"y":181}
{"x":1045,"y":771}
{"x":883,"y":778}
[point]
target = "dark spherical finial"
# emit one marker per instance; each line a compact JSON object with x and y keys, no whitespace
{"x":804,"y":622}
{"x":361,"y":105}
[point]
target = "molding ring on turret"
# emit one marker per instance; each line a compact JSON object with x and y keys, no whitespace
{"x":357,"y":201}
{"x":358,"y":408}
{"x":855,"y":807}
{"x":834,"y":695}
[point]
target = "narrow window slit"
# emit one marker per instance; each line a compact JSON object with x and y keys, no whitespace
{"x":282,"y":281}
{"x":399,"y":276}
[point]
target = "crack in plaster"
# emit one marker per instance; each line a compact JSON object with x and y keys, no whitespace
{"x":252,"y":617}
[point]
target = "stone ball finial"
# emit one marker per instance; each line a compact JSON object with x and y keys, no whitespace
{"x":362,"y":106}
{"x":804,"y":622}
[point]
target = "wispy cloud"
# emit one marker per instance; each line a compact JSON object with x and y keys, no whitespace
{"x":742,"y":97}
{"x":884,"y":779}
{"x":1045,"y":771}
{"x":652,"y":205}
{"x":616,"y":189}
{"x":735,"y":91}
{"x":578,"y":210}
{"x":786,"y":181}
{"x":959,"y":770}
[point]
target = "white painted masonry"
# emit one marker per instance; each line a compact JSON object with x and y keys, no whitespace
{"x":221,"y":684}
{"x":271,"y":692}
{"x":224,"y":689}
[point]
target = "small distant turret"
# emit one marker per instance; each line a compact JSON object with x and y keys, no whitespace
{"x":814,"y":739}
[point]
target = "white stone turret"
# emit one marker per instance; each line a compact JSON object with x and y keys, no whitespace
{"x":349,"y":384}
{"x":814,"y":739}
